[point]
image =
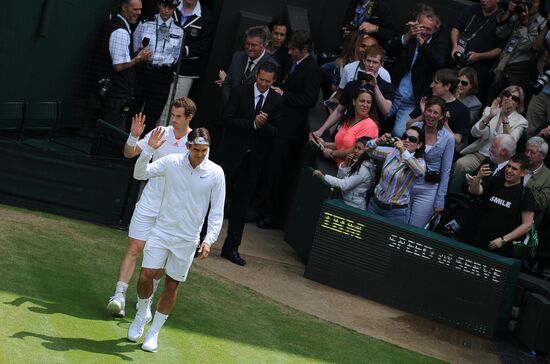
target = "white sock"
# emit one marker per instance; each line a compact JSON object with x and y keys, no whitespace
{"x":158,"y":321}
{"x":121,"y":288}
{"x":142,"y":305}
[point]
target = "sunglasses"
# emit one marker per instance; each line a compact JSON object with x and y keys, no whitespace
{"x":513,"y":97}
{"x":464,"y":83}
{"x":411,"y":138}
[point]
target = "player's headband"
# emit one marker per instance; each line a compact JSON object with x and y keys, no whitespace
{"x":199,"y":141}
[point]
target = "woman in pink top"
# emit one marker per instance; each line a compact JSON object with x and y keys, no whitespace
{"x":357,"y":124}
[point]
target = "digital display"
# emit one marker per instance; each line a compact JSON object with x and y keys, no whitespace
{"x":412,"y":269}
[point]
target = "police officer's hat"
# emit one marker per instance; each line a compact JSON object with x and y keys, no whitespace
{"x":173,"y":3}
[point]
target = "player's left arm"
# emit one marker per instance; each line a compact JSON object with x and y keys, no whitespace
{"x":215,"y":217}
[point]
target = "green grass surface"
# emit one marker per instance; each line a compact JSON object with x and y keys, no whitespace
{"x":56,"y":275}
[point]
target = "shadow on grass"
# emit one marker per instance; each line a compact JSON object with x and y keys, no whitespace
{"x":50,"y":308}
{"x":115,"y":347}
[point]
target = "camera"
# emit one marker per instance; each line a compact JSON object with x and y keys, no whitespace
{"x":522,"y":6}
{"x":352,"y":26}
{"x":391,"y":141}
{"x":104,"y":86}
{"x":460,"y":58}
{"x":542,"y":80}
{"x":364,"y":76}
{"x":432,"y":177}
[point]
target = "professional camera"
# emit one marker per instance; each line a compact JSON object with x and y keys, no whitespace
{"x":104,"y":86}
{"x":364,"y":76}
{"x":542,"y":80}
{"x":522,"y":6}
{"x":460,"y":58}
{"x":352,"y":26}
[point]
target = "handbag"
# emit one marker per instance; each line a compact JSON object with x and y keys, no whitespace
{"x":528,"y":247}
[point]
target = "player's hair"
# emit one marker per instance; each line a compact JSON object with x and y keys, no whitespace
{"x":197,"y":133}
{"x":187,"y":104}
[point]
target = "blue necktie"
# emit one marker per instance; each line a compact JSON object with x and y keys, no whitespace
{"x":259,"y":105}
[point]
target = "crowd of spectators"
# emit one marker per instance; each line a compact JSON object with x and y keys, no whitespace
{"x":424,"y":107}
{"x":458,"y":105}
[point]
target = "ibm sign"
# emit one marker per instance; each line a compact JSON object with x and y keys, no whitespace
{"x":412,"y":269}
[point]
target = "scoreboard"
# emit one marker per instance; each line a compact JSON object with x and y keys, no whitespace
{"x":412,"y":269}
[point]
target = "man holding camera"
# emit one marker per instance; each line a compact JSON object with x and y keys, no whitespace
{"x":520,"y":25}
{"x":383,"y":91}
{"x":420,"y":51}
{"x":163,"y":37}
{"x":474,"y":41}
{"x":372,"y":17}
{"x":114,"y":66}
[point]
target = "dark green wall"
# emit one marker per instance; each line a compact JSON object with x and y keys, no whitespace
{"x":47,"y":66}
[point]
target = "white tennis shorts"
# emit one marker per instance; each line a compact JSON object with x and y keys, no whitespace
{"x":169,"y":253}
{"x":141,"y":225}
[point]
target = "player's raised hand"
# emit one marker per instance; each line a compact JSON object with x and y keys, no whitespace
{"x":138,"y":125}
{"x":158,"y":137}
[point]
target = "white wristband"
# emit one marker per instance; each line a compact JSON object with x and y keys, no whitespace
{"x":132,"y":141}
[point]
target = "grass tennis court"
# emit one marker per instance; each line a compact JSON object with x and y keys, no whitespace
{"x":57,"y":273}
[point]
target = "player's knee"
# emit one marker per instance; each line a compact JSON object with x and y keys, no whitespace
{"x":135,"y":247}
{"x":147,"y":274}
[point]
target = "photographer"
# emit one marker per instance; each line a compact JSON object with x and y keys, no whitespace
{"x":372,"y":17}
{"x":538,"y":112}
{"x":474,"y":41}
{"x":520,"y":25}
{"x":402,"y":161}
{"x":420,"y":52}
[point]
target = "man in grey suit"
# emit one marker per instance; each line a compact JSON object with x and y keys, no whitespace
{"x":244,"y":64}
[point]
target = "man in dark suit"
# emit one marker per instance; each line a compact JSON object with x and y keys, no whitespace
{"x":300,"y":91}
{"x":420,"y":52}
{"x":244,"y":63}
{"x":251,"y":118}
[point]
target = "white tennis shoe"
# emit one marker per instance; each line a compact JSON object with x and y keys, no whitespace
{"x":135,"y":331}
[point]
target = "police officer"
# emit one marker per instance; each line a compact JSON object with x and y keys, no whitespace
{"x":163,"y":36}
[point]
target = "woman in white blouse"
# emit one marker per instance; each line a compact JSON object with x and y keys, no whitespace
{"x":502,"y":117}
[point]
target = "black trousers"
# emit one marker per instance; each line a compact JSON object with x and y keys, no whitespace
{"x":241,"y":183}
{"x":152,"y":89}
{"x":114,"y":111}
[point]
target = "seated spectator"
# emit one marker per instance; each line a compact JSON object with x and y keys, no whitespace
{"x":371,"y":17}
{"x":355,"y":176}
{"x":420,"y":52}
{"x":515,"y":65}
{"x":474,"y":36}
{"x":402,"y":162}
{"x":444,"y":85}
{"x":538,"y":177}
{"x":466,"y":92}
{"x":508,"y":209}
{"x":383,"y":91}
{"x":502,"y":117}
{"x":358,"y":123}
{"x":428,"y":192}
